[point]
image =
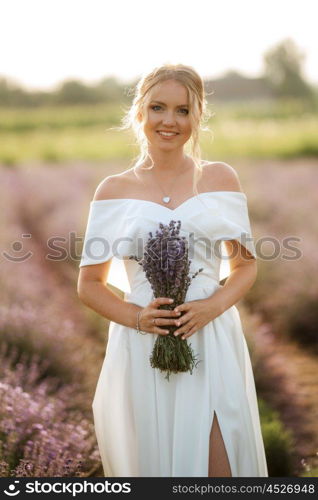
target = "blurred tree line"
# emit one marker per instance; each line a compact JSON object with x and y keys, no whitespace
{"x":282,"y":77}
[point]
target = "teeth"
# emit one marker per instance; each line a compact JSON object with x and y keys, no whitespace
{"x":167,"y":133}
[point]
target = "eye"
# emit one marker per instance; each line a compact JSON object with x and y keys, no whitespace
{"x":183,"y":110}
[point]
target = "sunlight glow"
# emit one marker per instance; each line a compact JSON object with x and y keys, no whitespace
{"x":47,"y":42}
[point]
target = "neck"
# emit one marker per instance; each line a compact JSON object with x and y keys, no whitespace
{"x":164,"y":162}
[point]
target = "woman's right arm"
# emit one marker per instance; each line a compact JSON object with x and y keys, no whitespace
{"x":94,"y":293}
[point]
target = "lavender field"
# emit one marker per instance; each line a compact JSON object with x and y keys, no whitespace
{"x":52,"y":346}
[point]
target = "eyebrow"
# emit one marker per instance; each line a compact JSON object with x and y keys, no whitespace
{"x":180,"y":105}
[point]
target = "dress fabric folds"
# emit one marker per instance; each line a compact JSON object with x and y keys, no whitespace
{"x":147,"y":426}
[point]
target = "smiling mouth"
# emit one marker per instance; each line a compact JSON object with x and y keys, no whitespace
{"x":167,"y":134}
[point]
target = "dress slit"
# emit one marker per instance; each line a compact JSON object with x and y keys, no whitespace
{"x":217,"y":435}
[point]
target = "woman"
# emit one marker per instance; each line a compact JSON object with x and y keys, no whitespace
{"x":200,"y":424}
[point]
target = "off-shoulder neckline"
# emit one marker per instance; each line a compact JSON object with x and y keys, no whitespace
{"x":163,"y":206}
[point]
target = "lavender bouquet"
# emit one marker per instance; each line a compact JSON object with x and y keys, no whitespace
{"x":166,"y":265}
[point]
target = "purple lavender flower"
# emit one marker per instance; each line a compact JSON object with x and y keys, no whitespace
{"x":166,"y":265}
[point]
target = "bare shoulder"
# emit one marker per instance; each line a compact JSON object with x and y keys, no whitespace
{"x":220,"y":176}
{"x":113,"y":186}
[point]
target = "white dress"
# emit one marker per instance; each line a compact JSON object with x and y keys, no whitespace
{"x":147,"y":426}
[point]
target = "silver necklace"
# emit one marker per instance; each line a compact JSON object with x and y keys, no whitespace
{"x":166,"y":198}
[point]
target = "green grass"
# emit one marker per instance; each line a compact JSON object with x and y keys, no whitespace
{"x":21,"y":120}
{"x":266,"y":138}
{"x":82,"y":133}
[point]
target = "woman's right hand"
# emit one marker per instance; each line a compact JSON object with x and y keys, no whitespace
{"x":151,"y":318}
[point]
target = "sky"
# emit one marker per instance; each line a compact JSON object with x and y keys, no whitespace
{"x":43,"y":42}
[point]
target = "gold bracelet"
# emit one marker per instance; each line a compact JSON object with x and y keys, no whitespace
{"x":137,"y":327}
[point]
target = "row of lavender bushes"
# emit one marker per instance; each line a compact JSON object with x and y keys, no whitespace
{"x":42,"y":434}
{"x":282,"y":200}
{"x":51,"y":348}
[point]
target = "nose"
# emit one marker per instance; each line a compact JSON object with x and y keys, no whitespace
{"x":169,"y":118}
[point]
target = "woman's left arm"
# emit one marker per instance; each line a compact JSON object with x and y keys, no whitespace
{"x":242,"y":277}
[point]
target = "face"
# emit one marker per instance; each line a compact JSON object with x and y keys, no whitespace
{"x":168,"y":111}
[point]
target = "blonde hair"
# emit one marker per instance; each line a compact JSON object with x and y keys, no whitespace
{"x":198,"y":112}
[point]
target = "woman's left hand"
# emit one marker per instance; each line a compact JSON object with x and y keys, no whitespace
{"x":198,"y":313}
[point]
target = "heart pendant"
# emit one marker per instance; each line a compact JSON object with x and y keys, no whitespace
{"x":166,"y":199}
